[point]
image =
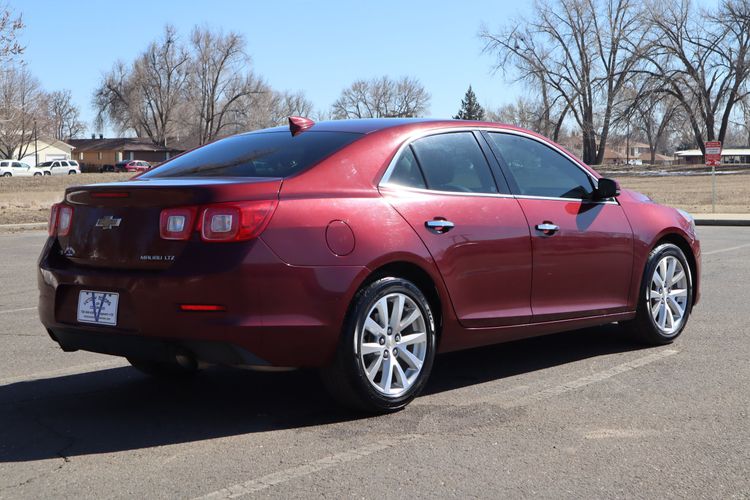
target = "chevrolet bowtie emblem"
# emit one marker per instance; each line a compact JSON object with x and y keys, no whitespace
{"x":108,"y":222}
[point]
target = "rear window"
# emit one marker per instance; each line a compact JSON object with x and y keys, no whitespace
{"x":269,"y":154}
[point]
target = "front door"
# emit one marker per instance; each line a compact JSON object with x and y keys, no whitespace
{"x":582,"y":249}
{"x":474,"y":229}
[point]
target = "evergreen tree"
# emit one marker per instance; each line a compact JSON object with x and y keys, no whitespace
{"x":470,"y":108}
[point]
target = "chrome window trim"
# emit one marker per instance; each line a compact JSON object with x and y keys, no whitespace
{"x":425,"y":133}
{"x":608,"y":201}
{"x":399,"y":187}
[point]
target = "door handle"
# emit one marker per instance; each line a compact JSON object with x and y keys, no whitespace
{"x":439,"y":226}
{"x":547,"y":228}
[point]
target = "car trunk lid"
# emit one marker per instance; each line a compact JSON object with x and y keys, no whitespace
{"x":117,"y":225}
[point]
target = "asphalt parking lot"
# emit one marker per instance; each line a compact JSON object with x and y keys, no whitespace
{"x":585,"y":414}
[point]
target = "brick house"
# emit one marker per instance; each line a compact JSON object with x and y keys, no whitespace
{"x":93,"y":154}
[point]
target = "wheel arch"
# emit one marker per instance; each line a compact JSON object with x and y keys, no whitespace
{"x":417,"y":275}
{"x":682,"y":243}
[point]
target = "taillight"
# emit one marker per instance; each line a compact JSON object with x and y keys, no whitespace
{"x":64,"y":220}
{"x":177,"y":223}
{"x":237,"y":221}
{"x":52,"y":226}
{"x":60,"y":220}
{"x":221,"y":222}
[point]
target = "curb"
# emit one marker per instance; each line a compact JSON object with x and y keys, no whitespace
{"x":722,"y":222}
{"x":27,"y":225}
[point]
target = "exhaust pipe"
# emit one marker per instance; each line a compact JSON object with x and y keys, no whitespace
{"x":186,"y":360}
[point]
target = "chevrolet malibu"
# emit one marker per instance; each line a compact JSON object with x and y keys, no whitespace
{"x":361,"y":248}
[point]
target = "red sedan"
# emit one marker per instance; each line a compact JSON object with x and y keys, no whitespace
{"x":362,"y":248}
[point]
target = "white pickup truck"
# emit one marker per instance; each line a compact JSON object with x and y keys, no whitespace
{"x":11,"y":168}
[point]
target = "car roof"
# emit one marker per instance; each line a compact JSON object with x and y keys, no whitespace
{"x":369,"y":125}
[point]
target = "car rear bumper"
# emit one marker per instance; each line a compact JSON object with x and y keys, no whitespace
{"x":275,"y":314}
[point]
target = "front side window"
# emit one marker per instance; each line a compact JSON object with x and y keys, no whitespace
{"x":539,"y":170}
{"x":264,"y":154}
{"x":454,"y":162}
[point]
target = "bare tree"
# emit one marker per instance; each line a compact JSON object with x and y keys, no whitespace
{"x":646,"y":111}
{"x":583,"y":51}
{"x":286,"y":104}
{"x":21,"y":110}
{"x":382,"y":97}
{"x":702,"y":59}
{"x":523,"y":113}
{"x":64,"y":116}
{"x":268,"y":108}
{"x":220,"y":81}
{"x":145,"y":97}
{"x":10,"y":26}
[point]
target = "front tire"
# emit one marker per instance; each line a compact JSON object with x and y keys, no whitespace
{"x":7,"y":174}
{"x":387,"y":348}
{"x":665,"y":299}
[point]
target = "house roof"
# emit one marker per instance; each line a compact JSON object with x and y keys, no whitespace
{"x":611,"y":154}
{"x":117,"y":144}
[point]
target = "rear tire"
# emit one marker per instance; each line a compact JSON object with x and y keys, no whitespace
{"x":37,"y":174}
{"x":71,"y":172}
{"x":158,"y":369}
{"x":387,"y":348}
{"x":665,"y":299}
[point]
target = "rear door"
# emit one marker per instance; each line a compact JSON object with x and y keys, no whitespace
{"x":473,"y":228}
{"x":582,"y":249}
{"x":21,"y":169}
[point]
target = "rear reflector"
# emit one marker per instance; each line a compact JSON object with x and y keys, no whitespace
{"x":201,"y":307}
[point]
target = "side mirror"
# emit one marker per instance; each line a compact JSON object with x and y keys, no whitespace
{"x":607,"y":188}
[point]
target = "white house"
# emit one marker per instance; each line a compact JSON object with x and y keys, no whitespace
{"x":46,"y":149}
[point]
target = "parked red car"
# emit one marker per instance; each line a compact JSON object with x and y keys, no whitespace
{"x":363,"y":248}
{"x":133,"y":166}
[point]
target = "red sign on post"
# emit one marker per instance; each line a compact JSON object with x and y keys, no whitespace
{"x":713,"y":153}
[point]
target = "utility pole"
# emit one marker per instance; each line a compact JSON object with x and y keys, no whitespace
{"x":36,"y":148}
{"x":627,"y":144}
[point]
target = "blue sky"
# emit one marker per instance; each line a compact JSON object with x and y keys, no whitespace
{"x":316,"y":46}
{"x":319,"y":47}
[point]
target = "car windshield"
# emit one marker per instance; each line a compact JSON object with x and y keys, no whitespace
{"x":265,"y":154}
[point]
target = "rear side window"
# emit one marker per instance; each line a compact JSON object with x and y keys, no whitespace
{"x":454,"y":162}
{"x":406,"y":171}
{"x":269,"y":154}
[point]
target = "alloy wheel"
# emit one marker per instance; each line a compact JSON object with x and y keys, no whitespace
{"x":668,"y":295}
{"x":393,"y":344}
